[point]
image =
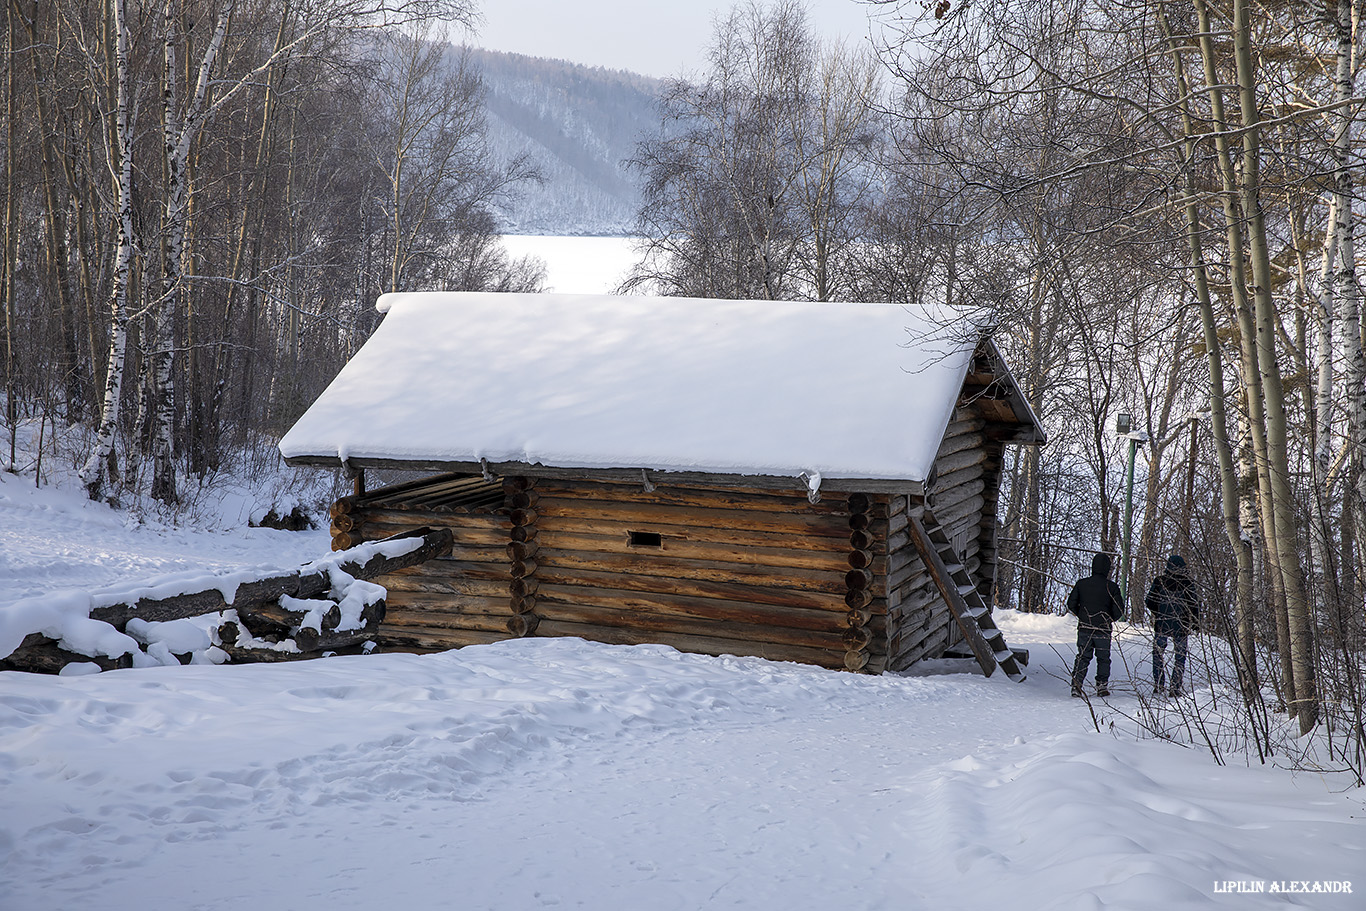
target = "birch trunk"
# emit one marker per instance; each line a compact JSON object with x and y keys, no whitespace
{"x":94,"y":475}
{"x":1282,"y":539}
{"x":179,"y":132}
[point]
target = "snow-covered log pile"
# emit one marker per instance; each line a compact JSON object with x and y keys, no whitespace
{"x":259,"y":614}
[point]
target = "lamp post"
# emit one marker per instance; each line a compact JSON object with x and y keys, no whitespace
{"x":1124,"y":427}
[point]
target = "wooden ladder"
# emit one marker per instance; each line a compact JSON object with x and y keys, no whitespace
{"x":964,"y":600}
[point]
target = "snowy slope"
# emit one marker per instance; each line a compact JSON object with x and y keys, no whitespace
{"x":555,"y":772}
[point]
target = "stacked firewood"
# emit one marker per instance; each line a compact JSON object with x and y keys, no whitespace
{"x":322,"y":607}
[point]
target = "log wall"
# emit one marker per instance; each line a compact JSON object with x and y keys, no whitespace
{"x":716,"y":571}
{"x":464,"y":598}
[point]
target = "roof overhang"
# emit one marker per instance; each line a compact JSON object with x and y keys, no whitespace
{"x":612,"y":475}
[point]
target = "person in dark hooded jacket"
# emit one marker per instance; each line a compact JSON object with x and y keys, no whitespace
{"x":1174,"y":607}
{"x":1097,"y":602}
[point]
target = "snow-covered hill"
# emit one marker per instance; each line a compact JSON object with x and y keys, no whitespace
{"x":579,"y":124}
{"x":543,"y":772}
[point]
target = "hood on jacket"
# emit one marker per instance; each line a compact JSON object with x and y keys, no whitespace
{"x":1100,"y":565}
{"x":1176,"y":564}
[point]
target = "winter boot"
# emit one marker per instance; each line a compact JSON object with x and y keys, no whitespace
{"x":1102,"y":689}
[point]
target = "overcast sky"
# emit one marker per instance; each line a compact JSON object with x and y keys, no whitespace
{"x":653,"y":37}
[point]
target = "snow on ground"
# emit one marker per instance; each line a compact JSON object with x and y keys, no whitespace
{"x":544,"y":773}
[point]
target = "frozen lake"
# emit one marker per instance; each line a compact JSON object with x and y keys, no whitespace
{"x":577,"y":265}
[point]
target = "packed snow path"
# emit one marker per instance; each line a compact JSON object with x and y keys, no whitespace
{"x":540,"y":773}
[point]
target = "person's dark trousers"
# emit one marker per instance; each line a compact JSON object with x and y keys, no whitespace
{"x":1089,"y":642}
{"x":1178,"y":661}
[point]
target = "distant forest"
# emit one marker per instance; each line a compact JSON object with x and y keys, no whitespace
{"x":579,"y":125}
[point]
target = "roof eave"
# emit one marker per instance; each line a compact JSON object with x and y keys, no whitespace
{"x":616,"y":475}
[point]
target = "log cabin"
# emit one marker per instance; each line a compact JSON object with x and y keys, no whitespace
{"x":810,"y":482}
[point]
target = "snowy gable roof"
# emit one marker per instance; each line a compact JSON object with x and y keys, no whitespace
{"x":666,"y":384}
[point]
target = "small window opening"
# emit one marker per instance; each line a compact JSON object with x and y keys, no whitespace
{"x":644,"y":539}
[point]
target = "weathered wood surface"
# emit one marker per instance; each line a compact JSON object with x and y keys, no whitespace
{"x":827,"y":579}
{"x":706,"y":645}
{"x":722,"y":610}
{"x":693,"y":545}
{"x":648,"y":515}
{"x":38,"y":654}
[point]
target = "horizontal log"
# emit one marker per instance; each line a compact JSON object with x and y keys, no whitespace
{"x":947,"y":498}
{"x":857,"y":598}
{"x":343,"y":523}
{"x":950,"y":480}
{"x":271,"y":619}
{"x":524,"y":587}
{"x":467,"y":553}
{"x":526,"y":516}
{"x":704,"y":544}
{"x":341,"y":507}
{"x":524,"y":604}
{"x":860,"y":559}
{"x":523,"y":568}
{"x":311,"y":640}
{"x":955,"y":443}
{"x":405,"y":518}
{"x":447,"y":585}
{"x":451,"y":605}
{"x":554,"y":599}
{"x":832,"y":504}
{"x":861,"y":617}
{"x":932,"y":646}
{"x":466,"y":536}
{"x":705,"y":645}
{"x":961,"y":515}
{"x":827,"y":581}
{"x":862,"y":539}
{"x":399,"y":490}
{"x":524,"y":532}
{"x":434,"y":638}
{"x":693,"y":587}
{"x":518,"y":483}
{"x":648,"y":516}
{"x":37,"y":654}
{"x":399,"y":620}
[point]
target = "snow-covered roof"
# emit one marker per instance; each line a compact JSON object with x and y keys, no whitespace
{"x":765,"y":388}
